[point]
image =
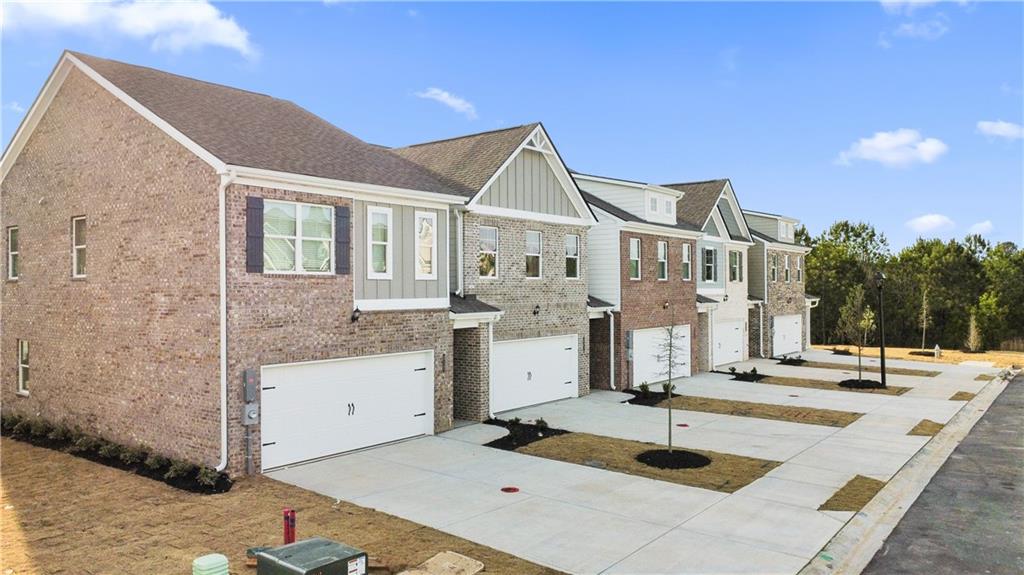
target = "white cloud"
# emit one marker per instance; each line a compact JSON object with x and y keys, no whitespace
{"x":1001,"y":129}
{"x":930,"y":223}
{"x":932,"y":29}
{"x":460,"y":105}
{"x":904,"y":6}
{"x":899,"y":148}
{"x":14,"y":107}
{"x":982,"y":228}
{"x":170,"y":26}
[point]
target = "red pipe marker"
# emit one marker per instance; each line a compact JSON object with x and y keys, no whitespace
{"x":289,"y":525}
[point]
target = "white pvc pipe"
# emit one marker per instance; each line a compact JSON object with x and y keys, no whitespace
{"x":611,"y":349}
{"x":225,"y":181}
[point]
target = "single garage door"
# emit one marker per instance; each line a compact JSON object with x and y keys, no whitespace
{"x":648,"y":344}
{"x":531,"y":371}
{"x":786,"y":337}
{"x":320,"y":408}
{"x":728,"y":342}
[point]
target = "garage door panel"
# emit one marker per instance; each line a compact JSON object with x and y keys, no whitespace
{"x":787,"y":334}
{"x":647,"y":345}
{"x":728,"y":344}
{"x":531,"y":371}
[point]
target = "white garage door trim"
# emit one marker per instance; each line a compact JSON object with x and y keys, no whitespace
{"x":787,"y":334}
{"x":535,"y":370}
{"x":316,"y":409}
{"x":646,"y":366}
{"x":728,"y":344}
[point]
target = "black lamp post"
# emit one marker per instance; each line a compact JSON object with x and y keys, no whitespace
{"x":880,"y":281}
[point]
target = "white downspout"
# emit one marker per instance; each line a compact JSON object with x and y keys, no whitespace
{"x":760,"y":329}
{"x":458,"y":252}
{"x":611,"y":349}
{"x":225,"y":181}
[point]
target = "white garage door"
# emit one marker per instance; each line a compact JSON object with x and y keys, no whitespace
{"x":787,"y":335}
{"x":728,"y":342}
{"x":648,"y":344}
{"x":320,"y":408}
{"x":531,"y":371}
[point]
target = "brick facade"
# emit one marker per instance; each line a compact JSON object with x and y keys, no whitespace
{"x":129,"y":352}
{"x":471,"y":352}
{"x":642,"y":301}
{"x":783,"y":299}
{"x":703,"y":351}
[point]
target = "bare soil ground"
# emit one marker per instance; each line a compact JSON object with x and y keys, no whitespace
{"x":926,"y":427}
{"x":984,"y":377}
{"x":854,"y":495}
{"x":62,"y":514}
{"x":962,"y":396}
{"x":830,"y":417}
{"x":726,"y":473}
{"x":872,"y":368}
{"x":832,"y":385}
{"x":998,"y":358}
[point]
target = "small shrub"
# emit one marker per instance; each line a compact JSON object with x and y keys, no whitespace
{"x":732,"y":370}
{"x":515,"y":421}
{"x":753,"y":371}
{"x":9,"y":422}
{"x":132,"y":455}
{"x":59,"y":434}
{"x":40,"y":428}
{"x":541,"y":423}
{"x":179,"y":469}
{"x":85,"y":443}
{"x":155,"y":461}
{"x":645,"y":390}
{"x":207,"y":476}
{"x":22,"y":429}
{"x":108,"y":449}
{"x":667,"y":388}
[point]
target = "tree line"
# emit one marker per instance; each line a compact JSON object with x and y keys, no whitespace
{"x":936,"y":292}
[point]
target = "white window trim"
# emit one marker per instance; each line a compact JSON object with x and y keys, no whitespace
{"x":786,"y":271}
{"x":714,"y":265}
{"x":687,"y":263}
{"x":661,"y":260}
{"x":576,"y":257}
{"x":389,"y":244}
{"x":432,"y":216}
{"x":74,"y":248}
{"x":22,"y":390}
{"x":297,"y":270}
{"x":639,"y":259}
{"x":539,"y":254}
{"x":11,"y":253}
{"x":774,"y":267}
{"x":799,"y":269}
{"x":497,"y":248}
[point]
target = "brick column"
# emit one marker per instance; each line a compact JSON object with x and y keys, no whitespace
{"x":472,"y":373}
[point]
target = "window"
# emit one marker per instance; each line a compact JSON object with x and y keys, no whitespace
{"x":297,"y":238}
{"x":735,"y":266}
{"x":379,"y":242}
{"x":710,"y":272}
{"x":426,"y":245}
{"x":654,"y":205}
{"x":662,"y":260}
{"x":534,"y":244}
{"x":12,"y":253}
{"x":572,"y":256}
{"x":488,"y":259}
{"x":668,"y":206}
{"x":786,"y":268}
{"x":78,"y":247}
{"x":687,"y":263}
{"x":774,"y":271}
{"x":22,"y":367}
{"x":799,"y":268}
{"x":634,"y":258}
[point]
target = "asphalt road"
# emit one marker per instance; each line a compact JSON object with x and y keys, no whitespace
{"x":970,"y":518}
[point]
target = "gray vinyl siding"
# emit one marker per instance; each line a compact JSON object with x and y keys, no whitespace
{"x":403,"y":282}
{"x":722,"y":270}
{"x":761,"y":224}
{"x":712,"y":229}
{"x":756,"y":270}
{"x":730,"y":218}
{"x":529,"y":184}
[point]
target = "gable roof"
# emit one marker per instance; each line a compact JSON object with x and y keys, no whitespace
{"x":699,"y":200}
{"x":468,"y":162}
{"x":258,"y":131}
{"x":630,"y":217}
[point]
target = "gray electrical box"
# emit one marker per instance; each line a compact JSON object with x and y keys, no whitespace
{"x":314,"y":556}
{"x":251,"y":408}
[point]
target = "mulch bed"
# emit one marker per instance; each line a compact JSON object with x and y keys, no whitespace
{"x":922,"y":353}
{"x":675,"y":459}
{"x":521,"y":434}
{"x":854,"y":495}
{"x":649,"y":399}
{"x":749,"y":376}
{"x":872,"y":369}
{"x":792,"y":361}
{"x":861,"y":384}
{"x":837,"y":351}
{"x":831,"y":385}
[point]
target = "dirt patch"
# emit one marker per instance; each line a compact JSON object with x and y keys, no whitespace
{"x":830,"y":417}
{"x":927,"y":428}
{"x":675,"y":459}
{"x":872,"y":368}
{"x":725,"y":473}
{"x":962,"y":396}
{"x":998,"y":358}
{"x":834,"y":386}
{"x":984,"y":377}
{"x":854,"y":495}
{"x":521,"y":434}
{"x":63,"y":514}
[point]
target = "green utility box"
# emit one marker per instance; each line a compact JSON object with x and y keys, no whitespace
{"x":314,"y":556}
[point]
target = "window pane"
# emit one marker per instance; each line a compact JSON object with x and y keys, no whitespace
{"x":316,"y":255}
{"x":279,"y":219}
{"x":23,"y":352}
{"x":533,"y":242}
{"x":572,"y":267}
{"x":668,"y":207}
{"x":24,"y":378}
{"x":425,"y":245}
{"x":278,"y":254}
{"x":316,"y":222}
{"x":14,"y":266}
{"x":380,"y":227}
{"x":12,"y":240}
{"x":80,"y":232}
{"x":662,"y":248}
{"x":662,"y":270}
{"x":533,"y":266}
{"x":487,"y":267}
{"x":572,"y":246}
{"x":634,"y":249}
{"x":654,"y":205}
{"x":379,"y":255}
{"x":79,"y":261}
{"x":634,"y":268}
{"x":488,"y":239}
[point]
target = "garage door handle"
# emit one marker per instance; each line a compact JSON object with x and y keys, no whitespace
{"x":271,"y":387}
{"x":271,"y":443}
{"x":420,"y":414}
{"x":568,"y":382}
{"x":420,"y":369}
{"x":568,"y":349}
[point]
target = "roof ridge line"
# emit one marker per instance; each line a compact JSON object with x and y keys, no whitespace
{"x":453,"y":138}
{"x":695,"y":182}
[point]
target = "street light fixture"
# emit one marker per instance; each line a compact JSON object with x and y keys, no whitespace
{"x":880,"y":281}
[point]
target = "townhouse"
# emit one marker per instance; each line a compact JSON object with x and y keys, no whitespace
{"x":781,"y":319}
{"x":642,"y":280}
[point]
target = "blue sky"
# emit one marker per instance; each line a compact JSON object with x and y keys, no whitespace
{"x":905,"y":115}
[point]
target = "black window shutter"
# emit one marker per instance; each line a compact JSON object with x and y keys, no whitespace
{"x":254,"y":234}
{"x":342,"y":240}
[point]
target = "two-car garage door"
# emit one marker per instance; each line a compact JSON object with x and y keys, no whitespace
{"x":531,"y":371}
{"x":320,"y":408}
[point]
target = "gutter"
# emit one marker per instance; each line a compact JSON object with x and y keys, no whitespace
{"x":225,"y":180}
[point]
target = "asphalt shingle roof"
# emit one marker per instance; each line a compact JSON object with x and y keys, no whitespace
{"x":597,"y":302}
{"x":705,"y":299}
{"x":699,"y":199}
{"x":469,"y":304}
{"x":768,"y":238}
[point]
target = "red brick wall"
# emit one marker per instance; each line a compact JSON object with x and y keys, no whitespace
{"x":130,"y":352}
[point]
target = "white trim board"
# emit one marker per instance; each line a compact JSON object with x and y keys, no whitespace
{"x":401,"y":304}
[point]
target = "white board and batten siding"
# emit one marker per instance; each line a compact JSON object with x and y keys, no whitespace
{"x":648,"y":344}
{"x":756,"y":279}
{"x":628,"y":198}
{"x":320,"y":408}
{"x":529,"y":184}
{"x":527,"y":372}
{"x":403,"y":283}
{"x":603,"y":265}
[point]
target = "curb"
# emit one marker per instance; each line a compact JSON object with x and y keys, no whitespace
{"x":853,"y":547}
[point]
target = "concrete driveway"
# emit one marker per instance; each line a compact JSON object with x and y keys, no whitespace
{"x":579,"y":519}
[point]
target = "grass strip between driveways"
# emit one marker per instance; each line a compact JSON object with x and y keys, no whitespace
{"x":871,"y":368}
{"x":962,"y":396}
{"x":984,"y":377}
{"x":809,"y":415}
{"x":854,"y":495}
{"x":927,"y":428}
{"x":832,"y":385}
{"x":726,"y":473}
